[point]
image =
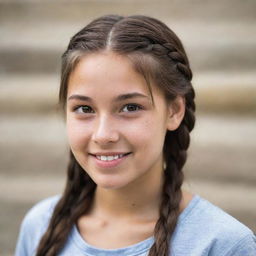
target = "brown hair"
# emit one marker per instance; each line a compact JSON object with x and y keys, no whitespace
{"x":157,"y":54}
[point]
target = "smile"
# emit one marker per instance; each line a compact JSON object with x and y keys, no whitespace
{"x":109,"y":158}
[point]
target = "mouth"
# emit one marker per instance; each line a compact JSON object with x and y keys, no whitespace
{"x":108,"y":157}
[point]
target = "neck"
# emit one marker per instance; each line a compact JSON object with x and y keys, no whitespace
{"x":137,"y":199}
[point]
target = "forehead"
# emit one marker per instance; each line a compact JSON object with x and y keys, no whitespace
{"x":105,"y":71}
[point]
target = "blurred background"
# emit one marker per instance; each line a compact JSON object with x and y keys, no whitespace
{"x":220,"y":40}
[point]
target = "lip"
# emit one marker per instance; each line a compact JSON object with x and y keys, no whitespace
{"x":112,"y":163}
{"x":108,"y":153}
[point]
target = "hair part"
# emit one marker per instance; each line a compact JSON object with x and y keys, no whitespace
{"x":159,"y":56}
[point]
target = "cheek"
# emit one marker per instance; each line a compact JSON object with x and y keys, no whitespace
{"x":146,"y":133}
{"x":77,"y":133}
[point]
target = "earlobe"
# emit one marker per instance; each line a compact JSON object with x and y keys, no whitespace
{"x":176,"y":112}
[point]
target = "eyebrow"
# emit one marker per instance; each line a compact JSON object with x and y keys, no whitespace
{"x":121,"y":97}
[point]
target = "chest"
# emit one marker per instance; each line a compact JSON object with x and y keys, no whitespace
{"x":114,"y":234}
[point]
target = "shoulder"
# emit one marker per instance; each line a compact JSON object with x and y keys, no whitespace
{"x":207,"y":228}
{"x":41,"y":212}
{"x":213,"y":219}
{"x":34,"y":225}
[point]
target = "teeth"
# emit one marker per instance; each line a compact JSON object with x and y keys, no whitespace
{"x":109,"y":158}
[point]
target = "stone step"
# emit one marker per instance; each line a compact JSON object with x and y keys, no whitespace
{"x":33,"y":149}
{"x":225,"y":46}
{"x":228,"y":58}
{"x":23,"y":192}
{"x":222,"y":147}
{"x":33,"y":155}
{"x":32,"y":10}
{"x":31,"y":189}
{"x":35,"y":33}
{"x":215,"y":92}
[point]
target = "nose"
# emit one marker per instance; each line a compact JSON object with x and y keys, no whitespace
{"x":105,"y":131}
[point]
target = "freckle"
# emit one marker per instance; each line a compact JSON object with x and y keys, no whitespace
{"x":103,"y":223}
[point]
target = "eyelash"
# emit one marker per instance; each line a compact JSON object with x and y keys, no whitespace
{"x":138,"y":107}
{"x":80,"y":111}
{"x":80,"y":107}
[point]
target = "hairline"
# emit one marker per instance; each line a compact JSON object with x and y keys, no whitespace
{"x":136,"y":58}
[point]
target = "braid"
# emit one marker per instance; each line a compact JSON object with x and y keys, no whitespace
{"x":178,"y":58}
{"x":75,"y":201}
{"x":79,"y":190}
{"x":175,"y":154}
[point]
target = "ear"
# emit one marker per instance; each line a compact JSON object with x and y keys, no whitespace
{"x":176,"y":112}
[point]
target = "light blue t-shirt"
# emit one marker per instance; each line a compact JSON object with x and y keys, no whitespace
{"x":202,"y":230}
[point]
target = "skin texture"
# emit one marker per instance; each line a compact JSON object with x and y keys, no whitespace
{"x":128,"y":192}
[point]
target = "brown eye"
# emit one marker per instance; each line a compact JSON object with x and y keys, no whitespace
{"x":131,"y":108}
{"x":84,"y":109}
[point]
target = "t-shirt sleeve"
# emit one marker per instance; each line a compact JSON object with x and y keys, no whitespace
{"x":24,"y":245}
{"x":34,"y":226}
{"x":245,"y":247}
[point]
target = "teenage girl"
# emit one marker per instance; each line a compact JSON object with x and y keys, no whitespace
{"x":129,"y":107}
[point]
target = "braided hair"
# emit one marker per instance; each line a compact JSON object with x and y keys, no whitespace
{"x":158,"y":55}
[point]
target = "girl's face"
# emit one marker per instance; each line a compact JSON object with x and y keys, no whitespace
{"x":115,"y":131}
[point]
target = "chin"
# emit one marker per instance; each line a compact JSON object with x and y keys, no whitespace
{"x":110,"y":184}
